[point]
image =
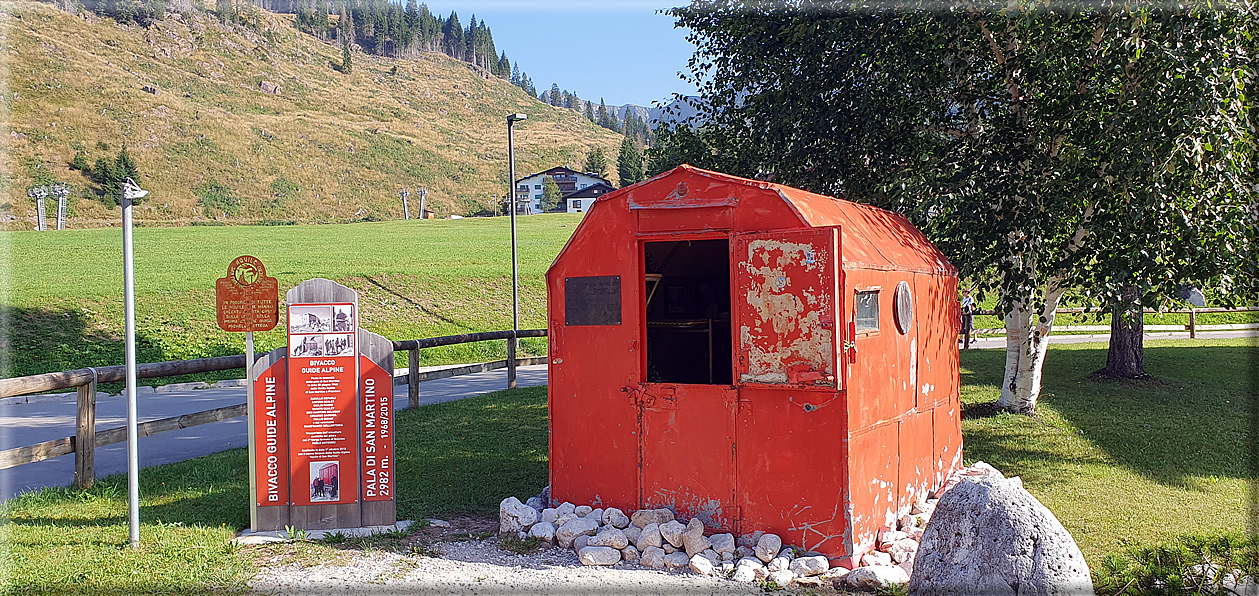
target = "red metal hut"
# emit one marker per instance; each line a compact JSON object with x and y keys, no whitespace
{"x":757,"y":356}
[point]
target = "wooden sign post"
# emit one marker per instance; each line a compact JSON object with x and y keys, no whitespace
{"x":321,"y":439}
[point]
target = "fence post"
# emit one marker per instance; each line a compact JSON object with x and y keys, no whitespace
{"x":1193,"y":323}
{"x":413,"y":378}
{"x":511,"y":363}
{"x":85,"y":436}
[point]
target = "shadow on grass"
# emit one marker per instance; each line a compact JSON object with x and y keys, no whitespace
{"x":1192,"y":421}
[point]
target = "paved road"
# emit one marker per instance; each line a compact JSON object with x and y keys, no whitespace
{"x":45,"y":420}
{"x":27,"y":423}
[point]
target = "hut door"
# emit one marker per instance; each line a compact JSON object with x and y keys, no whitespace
{"x":785,"y":297}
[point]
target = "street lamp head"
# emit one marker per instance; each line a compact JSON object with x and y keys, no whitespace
{"x":131,"y":190}
{"x":516,"y":117}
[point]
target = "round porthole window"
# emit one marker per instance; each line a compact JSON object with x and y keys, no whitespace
{"x":903,"y":307}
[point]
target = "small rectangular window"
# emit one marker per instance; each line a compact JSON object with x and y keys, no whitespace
{"x":537,"y":187}
{"x":868,"y":310}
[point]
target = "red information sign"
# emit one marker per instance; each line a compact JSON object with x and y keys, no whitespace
{"x":247,"y":300}
{"x":271,"y":450}
{"x":377,"y":431}
{"x":323,"y":416}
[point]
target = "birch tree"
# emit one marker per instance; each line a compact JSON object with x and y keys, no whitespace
{"x":1053,"y":152}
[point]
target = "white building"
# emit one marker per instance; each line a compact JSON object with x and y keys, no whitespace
{"x":529,"y":188}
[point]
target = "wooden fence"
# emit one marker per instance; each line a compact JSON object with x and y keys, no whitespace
{"x":86,"y":439}
{"x":1193,"y":327}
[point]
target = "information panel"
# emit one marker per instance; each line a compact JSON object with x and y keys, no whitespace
{"x":271,"y":453}
{"x":377,"y":432}
{"x":323,"y":421}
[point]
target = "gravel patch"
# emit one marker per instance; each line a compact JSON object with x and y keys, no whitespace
{"x":478,"y":567}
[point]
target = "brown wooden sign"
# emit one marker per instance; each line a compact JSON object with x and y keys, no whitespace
{"x":247,"y":299}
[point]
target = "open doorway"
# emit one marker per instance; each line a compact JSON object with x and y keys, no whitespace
{"x":687,"y":298}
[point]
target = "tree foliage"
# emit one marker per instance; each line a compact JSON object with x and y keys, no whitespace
{"x":629,"y":163}
{"x":108,"y":174}
{"x":550,"y":193}
{"x":597,"y":162}
{"x":1051,"y":151}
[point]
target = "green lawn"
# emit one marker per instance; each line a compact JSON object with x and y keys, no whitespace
{"x":419,"y":278}
{"x":1124,"y":466}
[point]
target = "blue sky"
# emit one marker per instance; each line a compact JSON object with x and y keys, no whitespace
{"x":620,"y":50}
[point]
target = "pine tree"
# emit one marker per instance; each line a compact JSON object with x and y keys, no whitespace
{"x":629,"y":164}
{"x":347,"y":63}
{"x":554,"y":97}
{"x":504,"y":66}
{"x":590,"y":112}
{"x":225,"y":10}
{"x":606,"y":119}
{"x":597,"y":162}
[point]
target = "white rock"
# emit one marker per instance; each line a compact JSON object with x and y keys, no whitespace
{"x":813,"y":581}
{"x":642,"y":517}
{"x":580,"y":542}
{"x":543,"y":531}
{"x":890,"y":536}
{"x":599,"y":555}
{"x":778,"y":564}
{"x":915,"y":534}
{"x":902,"y":550}
{"x":565,"y":508}
{"x":749,"y":561}
{"x":727,"y":567}
{"x":595,"y":516}
{"x":649,"y":537}
{"x":514,"y":516}
{"x":693,"y":539}
{"x":989,"y":533}
{"x":701,"y":565}
{"x":743,"y":574}
{"x":652,"y":557}
{"x":536,"y":503}
{"x":787,"y":553}
{"x":565,"y":535}
{"x":768,"y":546}
{"x":904,"y":522}
{"x":677,"y":560}
{"x":612,"y":537}
{"x":668,"y":548}
{"x":880,"y":576}
{"x":729,"y":557}
{"x":743,"y":552}
{"x":672,"y":531}
{"x":876,"y":558}
{"x":806,"y":566}
{"x":583,"y":510}
{"x":836,"y":575}
{"x":549,"y":515}
{"x":723,"y":543}
{"x":615,"y":517}
{"x":762,"y":573}
{"x":632,"y":533}
{"x":712,"y":556}
{"x":629,"y":554}
{"x":563,"y":519}
{"x":782,"y":578}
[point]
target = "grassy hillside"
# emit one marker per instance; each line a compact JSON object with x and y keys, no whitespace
{"x":330,"y":147}
{"x":64,"y":306}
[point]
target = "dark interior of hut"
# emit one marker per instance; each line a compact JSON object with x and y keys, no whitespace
{"x":687,"y":296}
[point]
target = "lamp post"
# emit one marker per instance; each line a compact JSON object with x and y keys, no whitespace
{"x":515,"y":282}
{"x":131,"y":192}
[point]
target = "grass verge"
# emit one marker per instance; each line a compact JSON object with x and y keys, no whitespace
{"x":1150,"y":478}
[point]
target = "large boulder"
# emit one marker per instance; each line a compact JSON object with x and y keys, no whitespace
{"x":599,"y":555}
{"x":884,"y":576}
{"x":987,"y":534}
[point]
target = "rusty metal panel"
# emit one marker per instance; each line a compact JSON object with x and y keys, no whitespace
{"x":592,"y":300}
{"x":701,"y":219}
{"x":688,"y":451}
{"x":875,"y":472}
{"x":792,"y":470}
{"x":785,"y":299}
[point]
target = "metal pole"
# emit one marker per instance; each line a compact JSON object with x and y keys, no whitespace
{"x":423,"y":197}
{"x":515,"y":283}
{"x":133,"y":452}
{"x":39,"y":214}
{"x":406,"y":211}
{"x":249,"y":405}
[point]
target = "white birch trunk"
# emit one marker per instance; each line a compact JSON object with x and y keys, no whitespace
{"x":1026,"y":342}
